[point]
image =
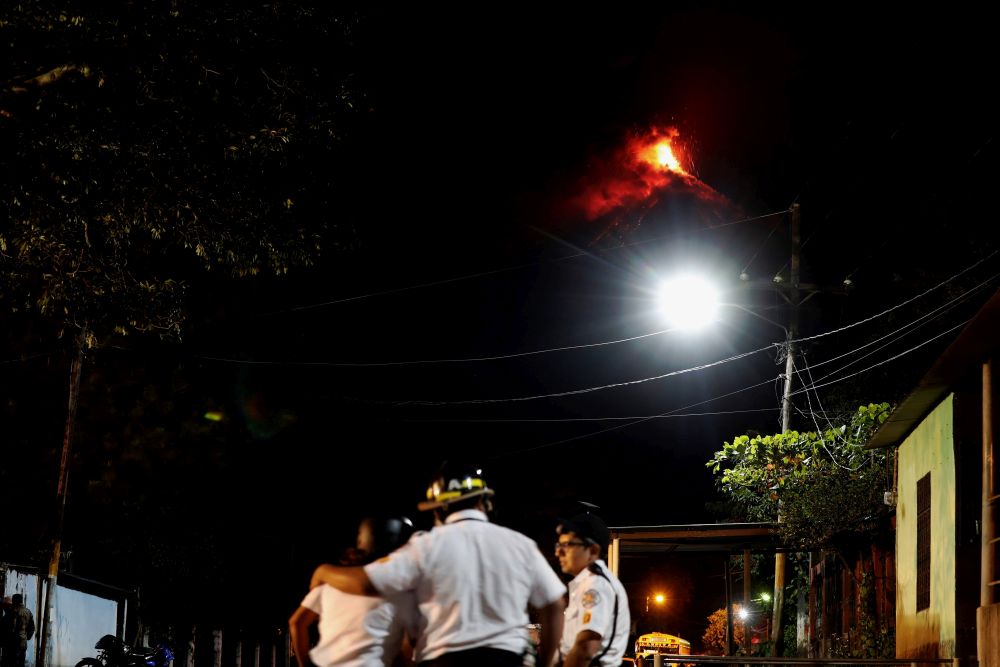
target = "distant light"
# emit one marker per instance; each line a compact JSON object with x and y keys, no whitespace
{"x":744,"y":276}
{"x":743,"y":614}
{"x":688,"y":302}
{"x":214,"y":416}
{"x":766,"y":597}
{"x":778,"y":279}
{"x":660,"y":598}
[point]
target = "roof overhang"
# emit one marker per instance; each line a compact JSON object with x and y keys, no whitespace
{"x":979,"y":340}
{"x":705,"y":537}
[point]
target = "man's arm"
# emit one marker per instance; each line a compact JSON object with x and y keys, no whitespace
{"x":586,"y":646}
{"x":351,"y":580}
{"x":298,"y":631}
{"x":551,"y":618}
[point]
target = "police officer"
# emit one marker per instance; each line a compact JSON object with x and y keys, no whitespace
{"x":354,"y":630}
{"x":473,"y":580}
{"x":596,"y":624}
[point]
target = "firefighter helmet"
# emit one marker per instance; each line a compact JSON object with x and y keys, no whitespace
{"x":453,"y":484}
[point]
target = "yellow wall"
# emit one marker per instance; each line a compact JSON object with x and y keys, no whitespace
{"x":930,"y":448}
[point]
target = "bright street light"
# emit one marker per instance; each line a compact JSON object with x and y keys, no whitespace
{"x":688,"y":302}
{"x":766,"y":597}
{"x":658,"y":599}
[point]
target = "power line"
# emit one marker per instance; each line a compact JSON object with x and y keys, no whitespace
{"x":819,"y":431}
{"x":633,"y":423}
{"x":896,"y":307}
{"x":893,"y":358}
{"x":934,"y":314}
{"x":641,"y":380}
{"x":513,"y":355}
{"x":588,"y":419}
{"x":947,"y":307}
{"x":761,"y":247}
{"x":614,"y":342}
{"x":483,"y":274}
{"x":728,"y":359}
{"x":588,"y":390}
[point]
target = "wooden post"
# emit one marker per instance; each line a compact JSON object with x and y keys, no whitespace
{"x":729,"y":609}
{"x":988,"y":548}
{"x":614,"y":555}
{"x":746,"y":601}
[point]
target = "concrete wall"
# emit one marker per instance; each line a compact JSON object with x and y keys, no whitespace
{"x":78,"y":619}
{"x":930,"y":448}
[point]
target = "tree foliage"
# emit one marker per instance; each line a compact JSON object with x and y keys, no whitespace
{"x":150,"y":140}
{"x":825,"y":483}
{"x":147,"y":144}
{"x":713,"y":641}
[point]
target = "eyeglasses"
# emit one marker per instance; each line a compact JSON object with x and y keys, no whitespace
{"x":564,"y":546}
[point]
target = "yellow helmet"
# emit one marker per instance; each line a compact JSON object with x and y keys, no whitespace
{"x":453,"y":484}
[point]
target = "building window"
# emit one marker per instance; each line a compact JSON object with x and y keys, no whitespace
{"x":924,"y":542}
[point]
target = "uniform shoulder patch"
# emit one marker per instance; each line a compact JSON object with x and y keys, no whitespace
{"x":590,"y":598}
{"x":586,"y":617}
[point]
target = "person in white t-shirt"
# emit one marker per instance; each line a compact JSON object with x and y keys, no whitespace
{"x":473,"y":581}
{"x":355,"y":630}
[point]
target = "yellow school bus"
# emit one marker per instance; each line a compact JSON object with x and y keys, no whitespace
{"x":646,"y":646}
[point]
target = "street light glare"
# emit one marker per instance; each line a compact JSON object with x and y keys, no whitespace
{"x":688,"y":302}
{"x":766,"y":597}
{"x":743,"y":614}
{"x":660,"y":598}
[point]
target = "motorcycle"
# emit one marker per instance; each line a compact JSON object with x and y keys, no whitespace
{"x":112,"y":652}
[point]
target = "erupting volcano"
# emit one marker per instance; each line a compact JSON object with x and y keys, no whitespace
{"x":652,"y":165}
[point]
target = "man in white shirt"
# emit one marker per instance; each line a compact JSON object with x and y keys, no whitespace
{"x":596,"y":626}
{"x":473,"y":581}
{"x":354,"y":630}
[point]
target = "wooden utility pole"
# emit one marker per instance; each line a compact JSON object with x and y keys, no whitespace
{"x":786,"y":417}
{"x":76,"y":369}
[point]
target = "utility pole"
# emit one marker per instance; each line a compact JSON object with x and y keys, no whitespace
{"x":76,"y":368}
{"x":786,"y":416}
{"x":795,"y":293}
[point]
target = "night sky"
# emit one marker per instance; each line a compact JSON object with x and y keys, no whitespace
{"x":482,"y":129}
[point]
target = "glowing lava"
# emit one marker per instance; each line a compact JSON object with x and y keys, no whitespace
{"x":649,"y":164}
{"x":663,"y":155}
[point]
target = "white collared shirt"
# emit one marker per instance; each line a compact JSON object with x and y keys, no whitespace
{"x":592,"y":607}
{"x":358,"y":631}
{"x":473,"y":582}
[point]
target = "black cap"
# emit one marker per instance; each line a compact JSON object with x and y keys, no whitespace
{"x":588,"y":527}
